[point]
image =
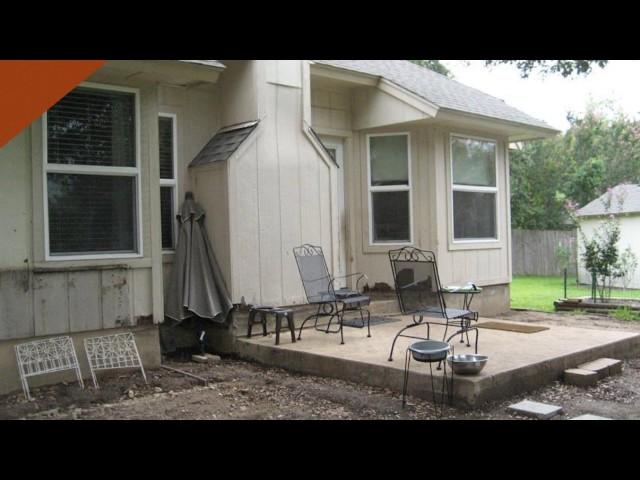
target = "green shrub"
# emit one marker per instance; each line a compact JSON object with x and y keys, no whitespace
{"x":626,"y":313}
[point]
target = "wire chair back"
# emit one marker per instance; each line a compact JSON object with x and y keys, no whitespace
{"x":316,"y":280}
{"x":417,"y":282}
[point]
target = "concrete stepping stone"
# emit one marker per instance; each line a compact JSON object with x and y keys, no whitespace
{"x":580,"y":377}
{"x":589,"y":416}
{"x":541,"y":411}
{"x":603,"y":367}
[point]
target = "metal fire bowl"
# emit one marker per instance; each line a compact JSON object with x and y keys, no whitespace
{"x":467,"y":364}
{"x":429,"y":351}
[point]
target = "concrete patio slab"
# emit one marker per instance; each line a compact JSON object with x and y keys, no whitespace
{"x":518,"y":362}
{"x":588,"y":416}
{"x":541,"y":411}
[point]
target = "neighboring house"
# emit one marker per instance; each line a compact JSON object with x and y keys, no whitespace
{"x":624,"y":204}
{"x":356,"y":156}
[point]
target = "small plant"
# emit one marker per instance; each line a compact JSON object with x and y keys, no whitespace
{"x":600,"y":252}
{"x":626,"y":267}
{"x":626,"y":313}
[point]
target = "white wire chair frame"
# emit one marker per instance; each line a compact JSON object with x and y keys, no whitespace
{"x":109,"y":352}
{"x":50,"y":355}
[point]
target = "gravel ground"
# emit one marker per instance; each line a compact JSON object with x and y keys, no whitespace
{"x":242,"y":390}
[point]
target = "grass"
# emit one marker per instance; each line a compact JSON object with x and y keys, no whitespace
{"x":539,"y":293}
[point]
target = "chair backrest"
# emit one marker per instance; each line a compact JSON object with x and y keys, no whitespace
{"x":314,"y":274}
{"x":415,"y":274}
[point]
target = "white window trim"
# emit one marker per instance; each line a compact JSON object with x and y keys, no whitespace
{"x":172,"y":182}
{"x":475,"y":189}
{"x":95,"y":170}
{"x":389,"y":188}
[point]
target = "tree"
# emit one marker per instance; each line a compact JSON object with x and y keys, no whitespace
{"x":601,"y":149}
{"x":435,"y":65}
{"x":565,"y":68}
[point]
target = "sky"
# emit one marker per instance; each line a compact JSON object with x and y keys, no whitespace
{"x":551,"y":97}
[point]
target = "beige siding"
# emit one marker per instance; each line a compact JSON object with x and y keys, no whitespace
{"x":39,"y":297}
{"x":280,"y":192}
{"x":331,"y":108}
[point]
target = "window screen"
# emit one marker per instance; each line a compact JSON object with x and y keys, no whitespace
{"x":91,"y":198}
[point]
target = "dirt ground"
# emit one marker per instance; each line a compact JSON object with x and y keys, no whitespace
{"x":241,"y":390}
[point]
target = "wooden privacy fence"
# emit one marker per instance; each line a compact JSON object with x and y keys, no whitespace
{"x":534,"y":251}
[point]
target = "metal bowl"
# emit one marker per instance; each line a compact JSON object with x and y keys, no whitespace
{"x":467,"y":364}
{"x":429,"y":351}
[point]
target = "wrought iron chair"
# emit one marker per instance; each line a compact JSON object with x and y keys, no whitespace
{"x":420,"y":294}
{"x":319,"y":288}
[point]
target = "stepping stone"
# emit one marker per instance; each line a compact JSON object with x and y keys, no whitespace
{"x":541,"y":411}
{"x":588,"y":416}
{"x":603,"y":367}
{"x":580,"y":377}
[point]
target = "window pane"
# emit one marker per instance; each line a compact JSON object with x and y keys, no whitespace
{"x":92,"y":127}
{"x":167,"y":215}
{"x":474,"y":162}
{"x":390,"y":216}
{"x":165,"y":131}
{"x":91,"y":214}
{"x":389,"y":160}
{"x":474,"y":215}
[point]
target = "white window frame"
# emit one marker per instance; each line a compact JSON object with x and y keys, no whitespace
{"x":167,"y":182}
{"x":95,"y":170}
{"x":389,"y":188}
{"x":473,"y":189}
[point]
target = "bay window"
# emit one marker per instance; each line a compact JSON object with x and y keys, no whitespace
{"x":474,"y":189}
{"x":91,"y":171}
{"x":389,"y":189}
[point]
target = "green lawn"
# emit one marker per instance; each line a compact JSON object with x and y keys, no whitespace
{"x":539,"y":293}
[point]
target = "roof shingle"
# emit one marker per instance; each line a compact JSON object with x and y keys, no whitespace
{"x":628,"y":193}
{"x":439,"y":89}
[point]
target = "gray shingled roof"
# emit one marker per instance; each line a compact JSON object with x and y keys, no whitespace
{"x":222,"y":145}
{"x":629,"y":193}
{"x":444,"y":92}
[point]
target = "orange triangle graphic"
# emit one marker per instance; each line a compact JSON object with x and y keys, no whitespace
{"x":28,"y":88}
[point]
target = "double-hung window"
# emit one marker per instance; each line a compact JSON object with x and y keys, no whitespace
{"x":91,"y":175}
{"x":167,"y":134}
{"x":389,"y":189}
{"x":474,"y":188}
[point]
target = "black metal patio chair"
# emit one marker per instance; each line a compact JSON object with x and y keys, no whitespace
{"x":319,"y":287}
{"x":420,"y":294}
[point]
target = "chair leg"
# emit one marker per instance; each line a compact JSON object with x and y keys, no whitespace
{"x":278,"y":326}
{"x":315,"y":315}
{"x":400,"y":334}
{"x":340,"y":319}
{"x":252,"y":316}
{"x":368,"y":324}
{"x":263,"y":319}
{"x":292,"y":327}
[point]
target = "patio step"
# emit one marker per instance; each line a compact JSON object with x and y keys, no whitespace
{"x":541,"y":411}
{"x":603,"y":367}
{"x":588,"y":374}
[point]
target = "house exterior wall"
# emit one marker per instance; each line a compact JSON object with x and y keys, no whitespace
{"x":629,"y":237}
{"x":485,"y":263}
{"x":40,"y":298}
{"x":281,"y":190}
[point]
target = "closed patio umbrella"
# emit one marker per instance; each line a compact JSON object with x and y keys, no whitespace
{"x":196,"y":284}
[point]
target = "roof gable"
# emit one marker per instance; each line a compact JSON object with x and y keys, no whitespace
{"x":439,"y":90}
{"x":630,"y":193}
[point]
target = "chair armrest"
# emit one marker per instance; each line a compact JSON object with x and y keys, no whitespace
{"x":360,"y":277}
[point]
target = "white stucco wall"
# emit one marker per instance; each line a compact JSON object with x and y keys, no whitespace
{"x":629,"y":237}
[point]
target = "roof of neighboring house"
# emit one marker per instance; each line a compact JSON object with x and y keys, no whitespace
{"x":209,"y":63}
{"x":438,"y":89}
{"x":628,"y":193}
{"x":224,"y":143}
